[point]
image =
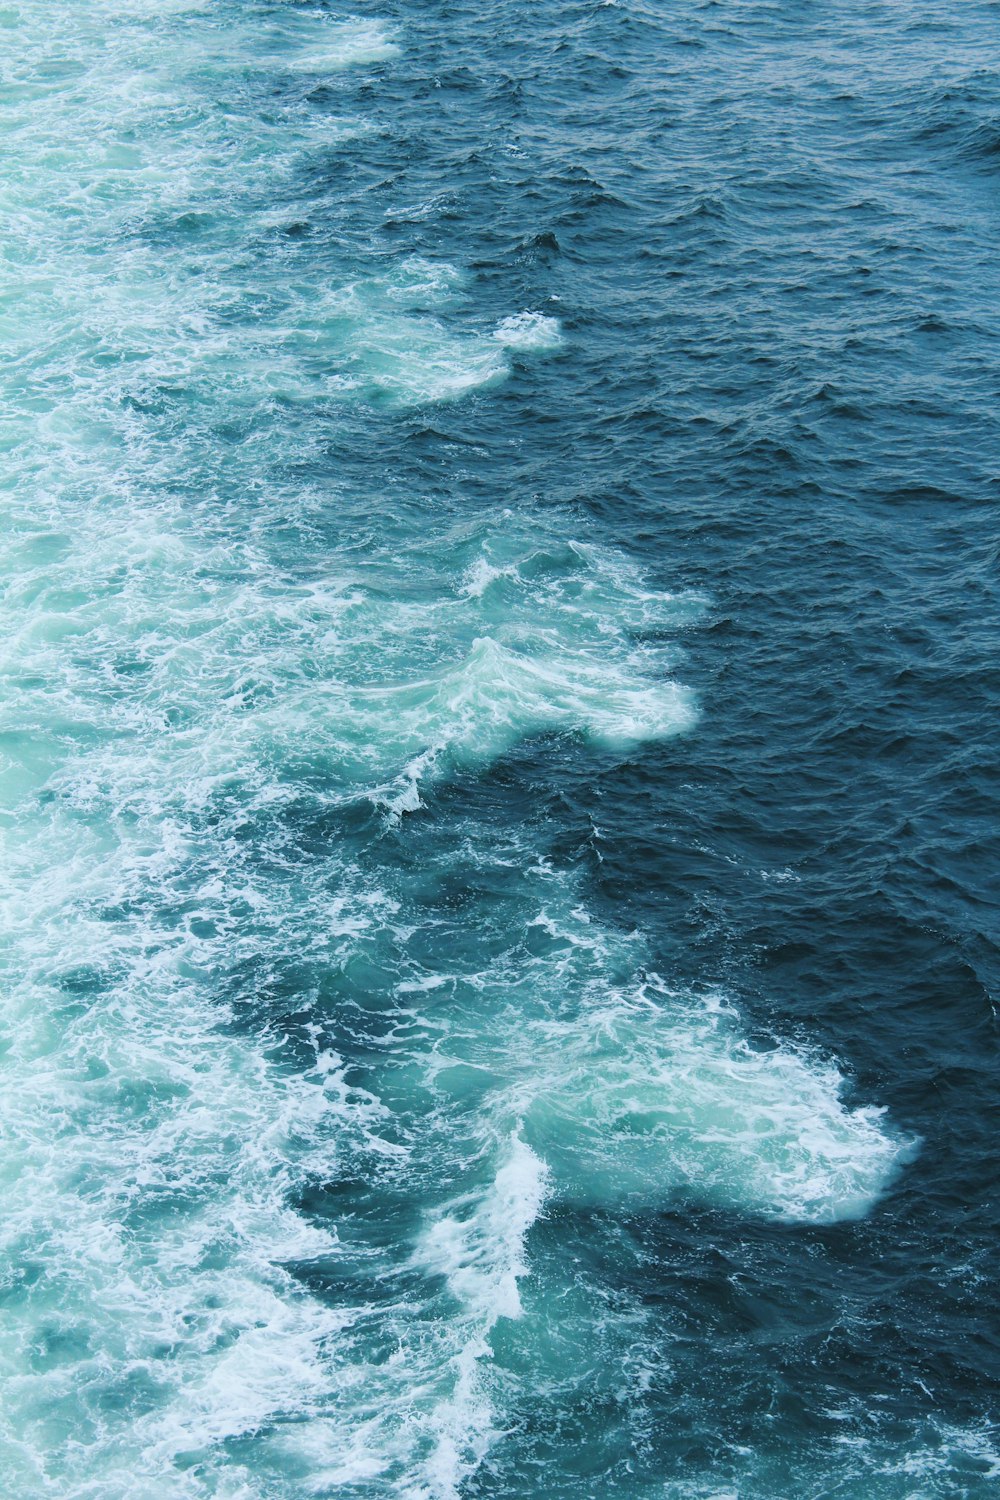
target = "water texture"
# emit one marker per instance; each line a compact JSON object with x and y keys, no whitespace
{"x":498,"y":764}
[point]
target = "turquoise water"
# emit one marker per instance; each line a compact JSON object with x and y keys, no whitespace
{"x":497,"y":761}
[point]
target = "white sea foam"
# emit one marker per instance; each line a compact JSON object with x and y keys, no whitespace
{"x":415,"y":360}
{"x":654,"y":1097}
{"x":154,"y":1150}
{"x":529,"y":331}
{"x":160,"y":1157}
{"x":478,"y":1246}
{"x":396,"y":336}
{"x":480,"y":575}
{"x":637,"y":1096}
{"x":178,"y":701}
{"x":476,"y":710}
{"x":172,"y":677}
{"x":345,"y":44}
{"x":400,"y":337}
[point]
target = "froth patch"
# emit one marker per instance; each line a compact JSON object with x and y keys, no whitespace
{"x":480,"y":575}
{"x":478,"y":1246}
{"x":496,"y":696}
{"x":346,"y":44}
{"x":650,"y":1101}
{"x":529,"y":331}
{"x":572,"y":642}
{"x":416,"y":360}
{"x":399,"y":337}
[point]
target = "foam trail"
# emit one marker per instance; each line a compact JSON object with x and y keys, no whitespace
{"x":482,"y":1257}
{"x":529,"y":331}
{"x":637,"y":1096}
{"x":657,"y":1097}
{"x":345,"y":45}
{"x":279,"y":1124}
{"x":473,"y":713}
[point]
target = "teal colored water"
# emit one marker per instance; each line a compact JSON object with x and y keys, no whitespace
{"x":498,"y":774}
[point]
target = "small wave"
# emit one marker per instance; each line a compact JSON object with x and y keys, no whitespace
{"x":529,"y":331}
{"x":476,"y":710}
{"x":480,"y":1253}
{"x":654,"y":1098}
{"x":347,"y":44}
{"x":396,"y":337}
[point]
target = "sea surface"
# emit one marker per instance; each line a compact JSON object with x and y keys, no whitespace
{"x":499,"y":758}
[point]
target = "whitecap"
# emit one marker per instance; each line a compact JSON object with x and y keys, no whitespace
{"x":529,"y":331}
{"x":346,"y":44}
{"x":654,"y":1096}
{"x":478,"y":1246}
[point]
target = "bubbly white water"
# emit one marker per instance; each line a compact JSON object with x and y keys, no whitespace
{"x":479,"y":1247}
{"x":529,"y":330}
{"x":643,"y":1100}
{"x":174,"y":686}
{"x":635,"y":1095}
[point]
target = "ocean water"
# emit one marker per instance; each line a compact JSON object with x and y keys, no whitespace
{"x":498,"y":749}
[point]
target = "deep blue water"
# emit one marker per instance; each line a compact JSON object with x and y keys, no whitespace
{"x":502,"y":556}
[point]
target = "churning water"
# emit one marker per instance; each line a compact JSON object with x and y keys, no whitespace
{"x":497,"y":749}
